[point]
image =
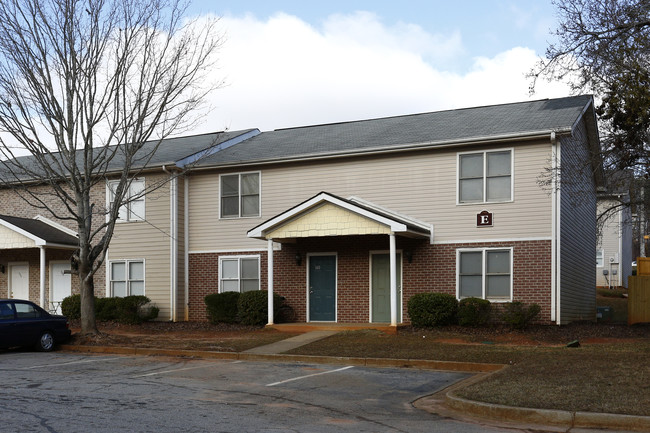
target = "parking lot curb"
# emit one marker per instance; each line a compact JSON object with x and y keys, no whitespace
{"x":560,"y":418}
{"x":466,"y":367}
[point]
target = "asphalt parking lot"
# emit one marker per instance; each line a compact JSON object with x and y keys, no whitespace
{"x":64,"y":392}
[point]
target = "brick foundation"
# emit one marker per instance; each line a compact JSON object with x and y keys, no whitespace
{"x":433,"y":268}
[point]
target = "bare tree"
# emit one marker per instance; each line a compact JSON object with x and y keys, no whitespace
{"x":604,"y":47}
{"x":89,"y":89}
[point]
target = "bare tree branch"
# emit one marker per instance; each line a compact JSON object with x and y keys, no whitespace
{"x":90,"y":89}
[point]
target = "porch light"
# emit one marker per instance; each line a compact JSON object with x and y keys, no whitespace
{"x":409,"y":256}
{"x":298,"y":259}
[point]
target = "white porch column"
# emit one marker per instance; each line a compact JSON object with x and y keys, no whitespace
{"x":270,"y":276}
{"x":393,"y":281}
{"x":42,"y":278}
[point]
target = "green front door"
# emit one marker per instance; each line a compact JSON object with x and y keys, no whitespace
{"x":322,"y":288}
{"x":381,"y":288}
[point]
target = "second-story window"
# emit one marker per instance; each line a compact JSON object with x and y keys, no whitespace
{"x":485,"y":177}
{"x":240,"y":195}
{"x":133,"y":208}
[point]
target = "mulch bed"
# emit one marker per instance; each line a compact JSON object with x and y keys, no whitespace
{"x":538,"y":334}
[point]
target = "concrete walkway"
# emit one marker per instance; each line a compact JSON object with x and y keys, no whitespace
{"x":290,"y":343}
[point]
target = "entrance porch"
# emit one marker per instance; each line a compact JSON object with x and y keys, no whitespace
{"x":318,"y":231}
{"x":35,"y":260}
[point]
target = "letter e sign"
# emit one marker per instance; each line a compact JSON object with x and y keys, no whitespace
{"x":484,"y":219}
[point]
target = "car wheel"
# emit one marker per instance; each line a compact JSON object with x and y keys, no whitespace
{"x":45,"y":342}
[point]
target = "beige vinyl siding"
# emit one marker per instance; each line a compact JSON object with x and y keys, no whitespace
{"x":577,"y":230}
{"x":608,"y":241}
{"x":421,"y":185}
{"x":149,"y":240}
{"x":615,"y":240}
{"x":12,"y":239}
{"x":180,"y":295}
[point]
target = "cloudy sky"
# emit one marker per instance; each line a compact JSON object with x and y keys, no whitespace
{"x":293,"y":63}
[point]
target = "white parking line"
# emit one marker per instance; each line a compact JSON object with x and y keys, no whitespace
{"x":172,"y":371}
{"x":310,"y":375}
{"x":179,"y":369}
{"x":70,"y":363}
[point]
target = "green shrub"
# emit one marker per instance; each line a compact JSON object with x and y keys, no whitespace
{"x":518,"y":315}
{"x":71,"y":307}
{"x":432,"y":309}
{"x":132,"y":309}
{"x":285,"y":313}
{"x":106,"y":309}
{"x":222,"y":307}
{"x":253,"y":307}
{"x":474,"y":312}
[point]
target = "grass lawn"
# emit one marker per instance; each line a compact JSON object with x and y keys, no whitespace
{"x":611,"y":377}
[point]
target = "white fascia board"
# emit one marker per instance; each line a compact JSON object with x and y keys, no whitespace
{"x":258,"y":232}
{"x":420,"y":224}
{"x":216,"y":148}
{"x":55,"y":225}
{"x":38,"y":241}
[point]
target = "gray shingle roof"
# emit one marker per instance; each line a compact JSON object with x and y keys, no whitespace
{"x":436,"y":128}
{"x":41,"y":230}
{"x":169,"y":151}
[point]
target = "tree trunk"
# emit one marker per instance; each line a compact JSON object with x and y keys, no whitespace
{"x":88,"y":322}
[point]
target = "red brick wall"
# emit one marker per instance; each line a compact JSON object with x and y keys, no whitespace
{"x":433,"y":269}
{"x":32,"y":255}
{"x":14,"y":205}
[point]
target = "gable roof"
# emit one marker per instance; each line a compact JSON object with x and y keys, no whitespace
{"x":397,"y":223}
{"x":40,"y":232}
{"x":436,"y":129}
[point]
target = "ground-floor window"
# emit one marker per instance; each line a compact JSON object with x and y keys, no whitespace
{"x":600,"y":258}
{"x":127,"y":277}
{"x":239,"y":273}
{"x":484,"y":273}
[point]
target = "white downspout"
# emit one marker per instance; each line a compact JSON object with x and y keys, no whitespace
{"x":393,"y":281}
{"x":554,"y":194}
{"x":270,"y":280}
{"x":186,"y":240}
{"x":42,"y":278}
{"x":173,"y":243}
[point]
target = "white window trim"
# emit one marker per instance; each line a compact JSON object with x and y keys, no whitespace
{"x":602,"y":251}
{"x":126,"y":264}
{"x":108,"y":201}
{"x":483,"y":250}
{"x":259,"y":195}
{"x":239,"y":258}
{"x":484,"y":152}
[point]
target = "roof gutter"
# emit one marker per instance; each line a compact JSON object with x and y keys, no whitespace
{"x":397,"y":149}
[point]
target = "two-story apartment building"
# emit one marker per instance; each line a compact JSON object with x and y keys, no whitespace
{"x":347,"y":221}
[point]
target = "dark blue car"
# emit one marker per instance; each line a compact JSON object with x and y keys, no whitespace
{"x":23,"y":323}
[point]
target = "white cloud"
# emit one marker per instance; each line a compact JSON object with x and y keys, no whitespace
{"x":282,"y":72}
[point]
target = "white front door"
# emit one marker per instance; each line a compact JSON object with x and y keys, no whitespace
{"x":60,"y":284}
{"x":19,"y":281}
